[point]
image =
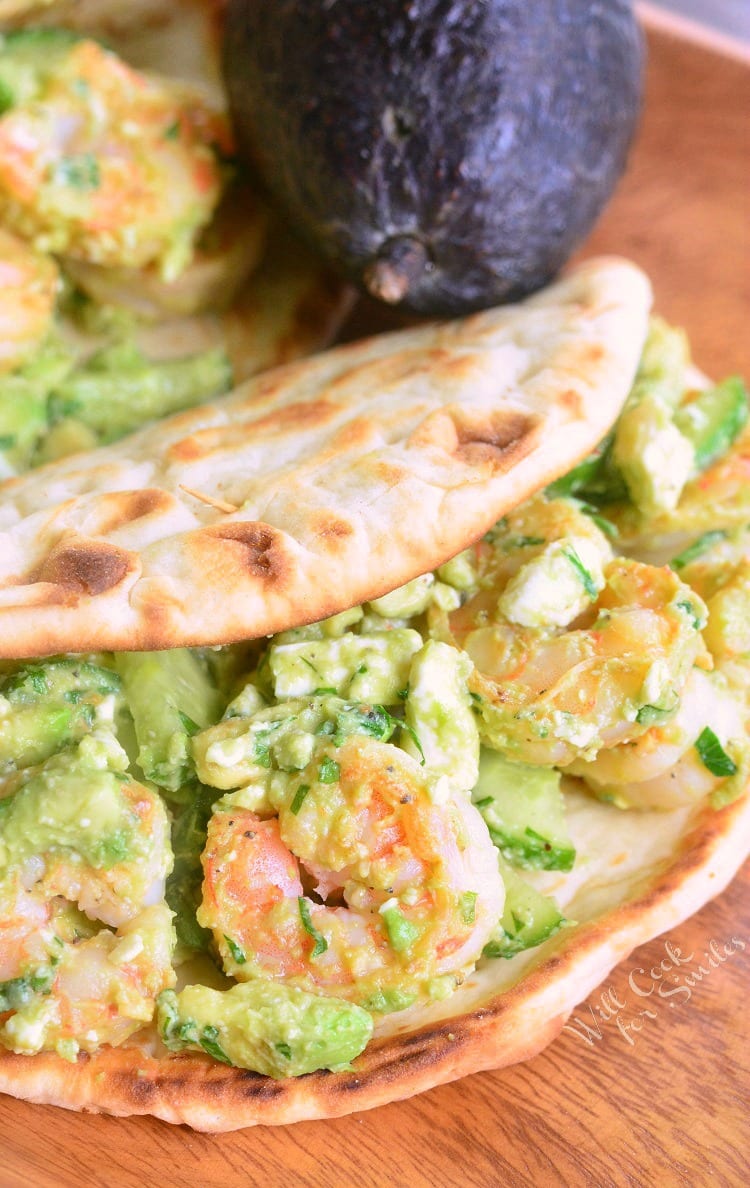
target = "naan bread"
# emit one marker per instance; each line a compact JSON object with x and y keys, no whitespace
{"x":319,"y":485}
{"x":638,"y":874}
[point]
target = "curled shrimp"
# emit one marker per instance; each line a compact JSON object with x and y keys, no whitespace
{"x":559,"y":675}
{"x":103,"y":163}
{"x":413,"y":880}
{"x":29,"y":282}
{"x":86,"y":937}
{"x":664,"y":767}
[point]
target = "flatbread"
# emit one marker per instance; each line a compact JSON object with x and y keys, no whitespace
{"x":319,"y":485}
{"x":667,"y":866}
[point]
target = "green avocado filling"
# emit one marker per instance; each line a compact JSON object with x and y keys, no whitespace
{"x":266,"y":728}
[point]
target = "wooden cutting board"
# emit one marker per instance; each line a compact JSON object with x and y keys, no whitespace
{"x":649,"y":1084}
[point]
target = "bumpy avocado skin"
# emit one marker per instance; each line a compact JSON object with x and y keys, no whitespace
{"x":480,"y":139}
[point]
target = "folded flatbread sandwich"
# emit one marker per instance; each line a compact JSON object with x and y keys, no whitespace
{"x":432,"y":736}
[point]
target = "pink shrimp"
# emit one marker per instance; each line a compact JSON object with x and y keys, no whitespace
{"x":411,"y":880}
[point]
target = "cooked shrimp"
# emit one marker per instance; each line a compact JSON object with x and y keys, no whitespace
{"x":29,"y":282}
{"x":418,"y":877}
{"x":86,"y":938}
{"x":561,"y":674}
{"x":664,"y":767}
{"x":103,"y":163}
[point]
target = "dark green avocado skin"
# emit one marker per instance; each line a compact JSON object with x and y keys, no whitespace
{"x":467,"y":144}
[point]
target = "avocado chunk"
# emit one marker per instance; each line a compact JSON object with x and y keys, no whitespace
{"x":524,"y":810}
{"x":713,"y":421}
{"x":367,"y":668}
{"x":51,"y":705}
{"x":74,"y":804}
{"x":529,"y":918}
{"x":171,"y":698}
{"x":273,"y":1029}
{"x":439,"y":711}
{"x":447,"y":156}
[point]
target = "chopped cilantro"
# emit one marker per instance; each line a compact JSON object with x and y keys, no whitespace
{"x":189,"y":725}
{"x":521,"y":542}
{"x":415,"y":739}
{"x":698,"y":548}
{"x":712,"y":754}
{"x":321,"y":944}
{"x":80,"y":172}
{"x":690,"y":611}
{"x":238,"y":954}
{"x":299,"y":797}
{"x":587,"y":580}
{"x":329,"y":770}
{"x":209,"y":1042}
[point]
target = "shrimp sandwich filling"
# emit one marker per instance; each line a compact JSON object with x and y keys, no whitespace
{"x":287,"y":851}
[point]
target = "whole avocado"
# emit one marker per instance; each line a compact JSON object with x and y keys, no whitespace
{"x":447,"y":155}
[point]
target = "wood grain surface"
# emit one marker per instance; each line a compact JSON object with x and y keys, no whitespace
{"x":649,"y":1085}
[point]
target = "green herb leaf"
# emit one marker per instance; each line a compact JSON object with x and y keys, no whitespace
{"x":415,"y":739}
{"x":284,"y":1050}
{"x":238,"y":954}
{"x":712,"y":754}
{"x":329,"y":770}
{"x":521,"y":542}
{"x":321,"y":944}
{"x":698,"y":548}
{"x":209,"y":1042}
{"x":299,"y":797}
{"x":587,"y":580}
{"x":80,"y":172}
{"x":690,"y":611}
{"x":189,"y":725}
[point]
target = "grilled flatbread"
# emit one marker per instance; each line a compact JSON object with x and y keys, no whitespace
{"x":318,"y":485}
{"x":667,"y":866}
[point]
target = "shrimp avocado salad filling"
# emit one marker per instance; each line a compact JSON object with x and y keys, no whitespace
{"x":344,"y":820}
{"x":113,"y":183}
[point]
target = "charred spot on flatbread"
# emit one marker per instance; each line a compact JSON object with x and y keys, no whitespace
{"x":497,"y":437}
{"x":84,"y":566}
{"x":117,"y":509}
{"x":257,"y":549}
